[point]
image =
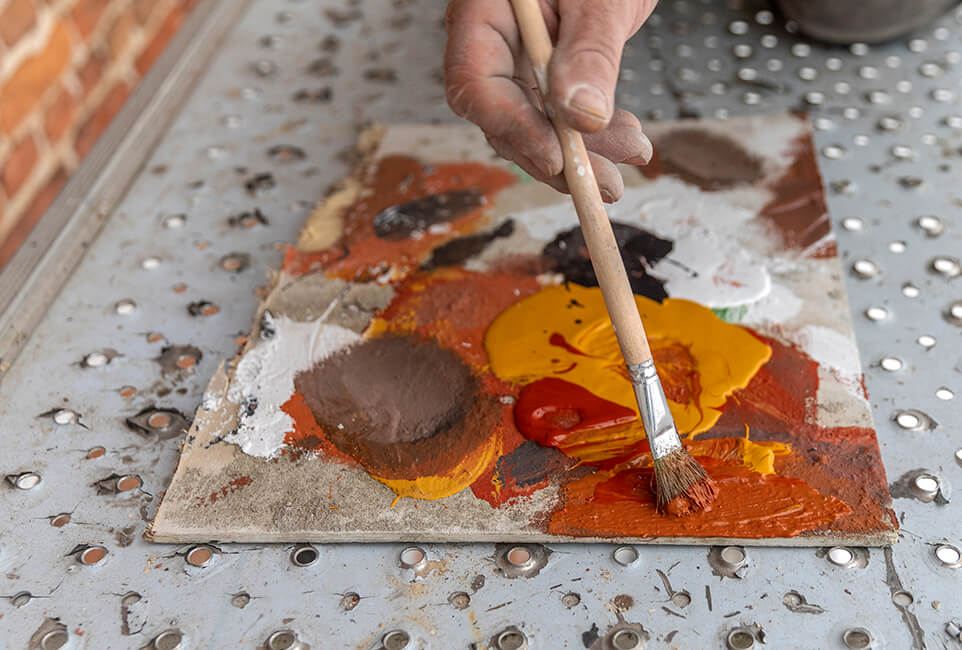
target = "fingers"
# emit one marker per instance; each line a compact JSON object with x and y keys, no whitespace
{"x":480,"y":63}
{"x":584,"y":67}
{"x":623,"y":140}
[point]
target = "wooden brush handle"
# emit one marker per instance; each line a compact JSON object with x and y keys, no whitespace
{"x":599,"y":237}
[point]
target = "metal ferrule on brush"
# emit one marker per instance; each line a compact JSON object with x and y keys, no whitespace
{"x":653,"y":405}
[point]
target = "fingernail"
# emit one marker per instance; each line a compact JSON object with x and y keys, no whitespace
{"x":606,"y":196}
{"x":645,"y":150}
{"x":589,"y":101}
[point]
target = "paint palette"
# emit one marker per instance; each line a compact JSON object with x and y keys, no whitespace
{"x":434,"y":360}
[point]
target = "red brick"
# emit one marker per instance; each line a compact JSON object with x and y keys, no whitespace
{"x":120,"y":32}
{"x":167,"y":29}
{"x":100,"y":118}
{"x":41,"y":201}
{"x":18,"y":165}
{"x":91,"y":71}
{"x":16,"y":20}
{"x":86,"y":14}
{"x":29,"y":82}
{"x":59,"y":115}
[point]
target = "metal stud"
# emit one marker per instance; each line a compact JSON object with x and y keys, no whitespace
{"x":54,"y":639}
{"x":841,"y":556}
{"x":91,"y":555}
{"x":948,"y":556}
{"x":733,"y":556}
{"x":304,"y":555}
{"x":857,"y":638}
{"x":833,"y":151}
{"x":876,"y":313}
{"x":24,"y":480}
{"x":944,"y":393}
{"x":167,"y":640}
{"x":909,"y":290}
{"x":21,"y":599}
{"x":625,"y":555}
{"x":947,"y":266}
{"x":395,"y":640}
{"x":199,"y":556}
{"x":891,"y":364}
{"x":626,"y":639}
{"x":571,"y":599}
{"x":511,"y":639}
{"x":459,"y":600}
{"x":865,"y":268}
{"x":125,"y":307}
{"x":852,"y":224}
{"x":740,"y":639}
{"x":926,"y":341}
{"x":150,"y":263}
{"x":282,"y":640}
{"x":412,"y":557}
{"x":897,"y":247}
{"x":914,"y":420}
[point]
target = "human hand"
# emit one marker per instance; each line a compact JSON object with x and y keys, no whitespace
{"x":489,"y":81}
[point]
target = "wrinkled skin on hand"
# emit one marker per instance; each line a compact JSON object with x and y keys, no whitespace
{"x":489,"y":81}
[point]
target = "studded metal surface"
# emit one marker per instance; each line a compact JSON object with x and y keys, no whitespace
{"x":92,"y":409}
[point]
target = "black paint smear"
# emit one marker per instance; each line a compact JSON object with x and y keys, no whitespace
{"x":313,"y":95}
{"x":459,"y":250}
{"x":588,"y":638}
{"x":639,"y":249}
{"x":244,"y":218}
{"x":259,"y":183}
{"x":530,"y":463}
{"x":401,"y":221}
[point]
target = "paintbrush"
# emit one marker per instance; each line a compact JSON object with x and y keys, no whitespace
{"x":681,"y":484}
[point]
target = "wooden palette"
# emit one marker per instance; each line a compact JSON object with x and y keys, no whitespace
{"x":434,"y":362}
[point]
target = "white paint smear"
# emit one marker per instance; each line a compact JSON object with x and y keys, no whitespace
{"x":835,"y":351}
{"x":265,"y":377}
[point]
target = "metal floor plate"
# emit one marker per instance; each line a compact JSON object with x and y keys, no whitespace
{"x":266,"y":130}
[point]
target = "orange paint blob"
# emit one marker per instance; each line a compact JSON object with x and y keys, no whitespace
{"x":363,"y":255}
{"x":749,"y":506}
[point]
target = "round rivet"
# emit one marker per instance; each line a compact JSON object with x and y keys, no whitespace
{"x":95,"y":452}
{"x":740,"y":640}
{"x":902,"y":151}
{"x":868,"y":72}
{"x":26,"y":480}
{"x":168,"y":640}
{"x":807,"y":73}
{"x":857,"y":638}
{"x":953,"y":121}
{"x":738,"y":27}
{"x":833,"y":63}
{"x":774,"y":65}
{"x":96,"y":360}
{"x":512,"y":639}
{"x":150,"y":263}
{"x":733,"y":556}
{"x":891,"y":364}
{"x":125,"y":307}
{"x":158,"y":420}
{"x":823,"y":124}
{"x":876,"y":313}
{"x":175,"y":221}
{"x":412,"y":557}
{"x":926,"y":341}
{"x":21,"y":599}
{"x":889,"y":123}
{"x":349,"y":601}
{"x":625,"y":555}
{"x":853,"y":224}
{"x":54,"y":640}
{"x":910,"y":290}
{"x":926,"y":486}
{"x":897,"y":247}
{"x":281,"y":640}
{"x":769,"y":41}
{"x":199,"y":556}
{"x":947,"y":266}
{"x":65,"y":416}
{"x":304,"y":555}
{"x":92,"y":555}
{"x":459,"y":600}
{"x":519,"y":556}
{"x":944,"y":393}
{"x":240,"y":600}
{"x":948,"y":556}
{"x":955,"y":312}
{"x":571,"y":599}
{"x":395,"y":640}
{"x":681,"y":599}
{"x":833,"y":151}
{"x":128,"y":483}
{"x":61,"y":520}
{"x":841,"y":556}
{"x":626,"y":640}
{"x":858,"y":49}
{"x":902,"y":598}
{"x":801,"y":50}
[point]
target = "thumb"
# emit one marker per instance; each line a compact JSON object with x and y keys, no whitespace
{"x":584,"y":67}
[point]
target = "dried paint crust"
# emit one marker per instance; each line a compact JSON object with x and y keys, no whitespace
{"x":481,"y":395}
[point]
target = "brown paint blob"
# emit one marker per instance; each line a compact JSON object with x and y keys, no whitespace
{"x":402,"y":406}
{"x":128,"y":391}
{"x":708,"y":160}
{"x":159,"y":420}
{"x":697,"y":498}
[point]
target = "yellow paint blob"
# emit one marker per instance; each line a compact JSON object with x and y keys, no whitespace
{"x":460,"y":477}
{"x":700,"y":358}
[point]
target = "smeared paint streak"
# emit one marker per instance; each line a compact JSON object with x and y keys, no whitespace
{"x":391,"y":184}
{"x":232,"y":486}
{"x":530,"y":464}
{"x":749,"y":506}
{"x":458,"y":251}
{"x":895,"y":585}
{"x":798,"y":208}
{"x":701,"y":359}
{"x":703,"y":158}
{"x":639,"y":248}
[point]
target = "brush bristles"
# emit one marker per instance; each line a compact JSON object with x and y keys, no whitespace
{"x":682,"y":486}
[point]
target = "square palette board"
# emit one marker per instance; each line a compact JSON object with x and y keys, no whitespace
{"x":434,"y":361}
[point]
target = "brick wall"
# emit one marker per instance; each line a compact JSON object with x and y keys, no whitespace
{"x":66,"y":68}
